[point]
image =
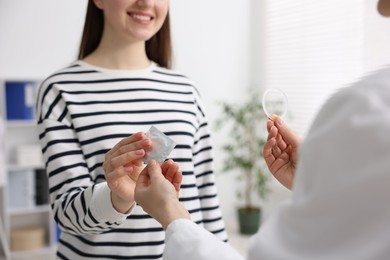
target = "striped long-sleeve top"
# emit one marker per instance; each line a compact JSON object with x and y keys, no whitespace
{"x":82,"y":112}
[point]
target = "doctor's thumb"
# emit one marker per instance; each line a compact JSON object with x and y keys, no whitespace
{"x":154,"y":170}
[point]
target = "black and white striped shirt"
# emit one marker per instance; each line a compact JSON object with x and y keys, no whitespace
{"x":83,"y":111}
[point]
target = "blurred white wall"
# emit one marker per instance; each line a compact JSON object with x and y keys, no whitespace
{"x":377,"y":40}
{"x":38,"y":37}
{"x":212,"y":46}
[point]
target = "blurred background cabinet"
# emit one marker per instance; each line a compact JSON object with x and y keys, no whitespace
{"x":29,"y":231}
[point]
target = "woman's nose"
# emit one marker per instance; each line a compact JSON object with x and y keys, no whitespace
{"x":145,"y":3}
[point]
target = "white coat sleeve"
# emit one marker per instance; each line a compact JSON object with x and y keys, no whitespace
{"x":187,"y":240}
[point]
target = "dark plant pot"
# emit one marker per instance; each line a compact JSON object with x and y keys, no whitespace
{"x":249,"y":220}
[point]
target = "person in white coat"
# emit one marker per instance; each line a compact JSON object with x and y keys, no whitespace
{"x":339,"y":208}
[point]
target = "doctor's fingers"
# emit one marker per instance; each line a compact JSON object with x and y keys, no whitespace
{"x":281,"y":143}
{"x":268,"y":151}
{"x":272,"y":151}
{"x":270,"y":123}
{"x":288,"y":136}
{"x":172,"y":173}
{"x":123,"y":160}
{"x":274,"y":134}
{"x":277,"y":163}
{"x":143,"y":179}
{"x":169,"y":168}
{"x":154,"y":171}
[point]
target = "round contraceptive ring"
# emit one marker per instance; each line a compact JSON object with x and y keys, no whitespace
{"x":275,"y":102}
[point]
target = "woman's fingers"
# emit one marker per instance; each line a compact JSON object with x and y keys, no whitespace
{"x":118,"y":173}
{"x":131,"y":139}
{"x":134,"y":142}
{"x":142,"y":144}
{"x":125,"y":158}
{"x":130,"y":159}
{"x":128,"y":150}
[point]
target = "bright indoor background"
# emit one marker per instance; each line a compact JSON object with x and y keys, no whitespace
{"x":308,"y":48}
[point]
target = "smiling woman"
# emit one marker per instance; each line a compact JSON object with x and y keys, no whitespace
{"x":108,"y":20}
{"x":92,"y":118}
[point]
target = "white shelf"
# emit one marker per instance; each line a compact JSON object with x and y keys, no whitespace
{"x":32,"y":210}
{"x":47,"y":253}
{"x":19,"y":133}
{"x":15,"y":167}
{"x":20,"y":123}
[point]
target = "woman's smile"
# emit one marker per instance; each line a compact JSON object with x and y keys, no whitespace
{"x":141,"y":18}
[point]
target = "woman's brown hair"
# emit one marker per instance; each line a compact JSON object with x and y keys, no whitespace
{"x":158,"y":48}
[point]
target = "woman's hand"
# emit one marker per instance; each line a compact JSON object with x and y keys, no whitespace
{"x":281,"y":151}
{"x":157,"y":192}
{"x":122,"y":166}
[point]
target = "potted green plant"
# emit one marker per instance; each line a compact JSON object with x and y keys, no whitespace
{"x":243,"y":149}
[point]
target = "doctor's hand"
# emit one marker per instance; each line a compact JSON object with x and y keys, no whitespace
{"x":157,"y":192}
{"x":122,"y":166}
{"x":281,"y":151}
